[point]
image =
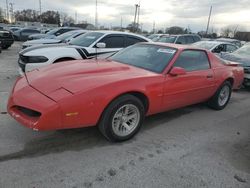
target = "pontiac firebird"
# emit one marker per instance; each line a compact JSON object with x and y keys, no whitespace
{"x":117,"y":93}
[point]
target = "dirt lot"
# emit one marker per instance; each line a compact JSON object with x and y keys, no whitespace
{"x":191,"y":147}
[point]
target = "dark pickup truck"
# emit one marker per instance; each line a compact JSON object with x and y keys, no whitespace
{"x":6,"y":39}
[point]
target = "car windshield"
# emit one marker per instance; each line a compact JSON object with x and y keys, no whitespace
{"x":150,"y":57}
{"x":243,"y":51}
{"x":66,"y":35}
{"x":87,"y":39}
{"x":153,"y":36}
{"x":170,"y":39}
{"x":53,"y":31}
{"x":205,"y":45}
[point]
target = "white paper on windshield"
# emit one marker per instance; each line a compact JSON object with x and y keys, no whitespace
{"x":164,"y":50}
{"x":90,"y":37}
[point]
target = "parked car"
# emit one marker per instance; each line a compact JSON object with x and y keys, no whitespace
{"x":66,"y":37}
{"x":52,"y":33}
{"x":24,"y":33}
{"x":89,"y":45}
{"x":216,"y":46}
{"x":6,"y":39}
{"x":233,"y":41}
{"x":118,"y":92}
{"x":242,"y":55}
{"x":13,"y":29}
{"x":180,"y":39}
{"x":155,"y":37}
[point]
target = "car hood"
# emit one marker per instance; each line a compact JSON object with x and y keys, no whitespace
{"x":41,"y":41}
{"x":40,"y":35}
{"x":244,"y":60}
{"x":46,"y":47}
{"x":81,"y":75}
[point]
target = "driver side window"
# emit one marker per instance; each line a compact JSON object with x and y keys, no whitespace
{"x":193,"y":60}
{"x":219,"y":49}
{"x":113,"y":41}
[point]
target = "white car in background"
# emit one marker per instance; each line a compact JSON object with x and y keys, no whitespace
{"x":86,"y":46}
{"x":216,"y":46}
{"x":66,"y":37}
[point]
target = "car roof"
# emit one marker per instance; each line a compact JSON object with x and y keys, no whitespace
{"x":227,"y":39}
{"x":121,"y":32}
{"x":184,"y":35}
{"x":172,"y":45}
{"x":214,"y":42}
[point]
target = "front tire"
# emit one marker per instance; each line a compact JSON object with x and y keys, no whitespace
{"x":222,"y":96}
{"x":122,"y":119}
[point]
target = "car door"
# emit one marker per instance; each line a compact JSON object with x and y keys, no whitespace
{"x":26,"y":33}
{"x":197,"y":85}
{"x":114,"y":43}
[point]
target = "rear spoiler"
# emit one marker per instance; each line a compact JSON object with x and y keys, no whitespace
{"x":232,"y":64}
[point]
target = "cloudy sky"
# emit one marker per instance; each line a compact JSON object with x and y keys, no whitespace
{"x":165,"y":13}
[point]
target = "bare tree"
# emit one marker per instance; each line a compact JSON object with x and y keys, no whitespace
{"x":230,"y":30}
{"x":1,"y":15}
{"x":66,"y":20}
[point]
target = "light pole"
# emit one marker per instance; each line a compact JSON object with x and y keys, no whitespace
{"x":40,"y":7}
{"x":7,"y":10}
{"x":96,"y":15}
{"x":135,"y":27}
{"x":208,"y":22}
{"x":12,"y":12}
{"x":138,"y":18}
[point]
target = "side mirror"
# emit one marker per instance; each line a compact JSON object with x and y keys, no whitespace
{"x":176,"y":71}
{"x":101,"y":45}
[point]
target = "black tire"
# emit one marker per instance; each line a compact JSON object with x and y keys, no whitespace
{"x":5,"y":47}
{"x":105,"y":123}
{"x":246,"y":86}
{"x":214,"y":101}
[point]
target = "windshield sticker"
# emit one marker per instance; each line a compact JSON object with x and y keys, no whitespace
{"x":168,"y":51}
{"x":90,"y":37}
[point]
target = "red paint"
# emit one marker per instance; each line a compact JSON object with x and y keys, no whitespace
{"x":74,"y":94}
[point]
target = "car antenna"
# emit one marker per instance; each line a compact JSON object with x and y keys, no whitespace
{"x":96,"y":53}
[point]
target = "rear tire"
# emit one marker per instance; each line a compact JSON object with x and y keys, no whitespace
{"x":122,"y":119}
{"x":222,"y":96}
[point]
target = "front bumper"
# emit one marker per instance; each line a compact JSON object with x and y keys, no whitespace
{"x":41,"y":112}
{"x":7,"y":42}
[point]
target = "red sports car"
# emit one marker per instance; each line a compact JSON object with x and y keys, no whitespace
{"x":117,"y":93}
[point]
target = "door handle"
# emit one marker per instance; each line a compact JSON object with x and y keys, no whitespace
{"x":209,"y":76}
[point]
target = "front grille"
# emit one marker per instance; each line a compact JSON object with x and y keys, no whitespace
{"x":247,"y":69}
{"x":6,"y":35}
{"x":28,"y":112}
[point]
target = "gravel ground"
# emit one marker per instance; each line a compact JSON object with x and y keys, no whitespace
{"x":190,"y":147}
